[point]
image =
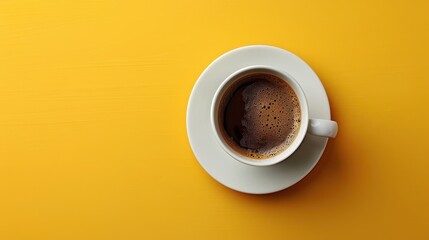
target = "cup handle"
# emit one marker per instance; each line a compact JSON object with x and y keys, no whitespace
{"x":322,"y":127}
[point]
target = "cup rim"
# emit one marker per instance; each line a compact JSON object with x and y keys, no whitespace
{"x":304,"y":114}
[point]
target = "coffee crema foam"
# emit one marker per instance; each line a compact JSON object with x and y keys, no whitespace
{"x":260,"y":116}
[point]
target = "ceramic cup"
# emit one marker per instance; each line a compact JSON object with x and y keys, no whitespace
{"x":319,"y":127}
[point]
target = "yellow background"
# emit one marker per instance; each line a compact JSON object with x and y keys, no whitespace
{"x":93,"y":98}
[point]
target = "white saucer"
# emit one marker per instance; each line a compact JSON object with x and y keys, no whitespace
{"x":221,"y":166}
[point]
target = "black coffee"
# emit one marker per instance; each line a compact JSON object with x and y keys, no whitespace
{"x":259,"y":116}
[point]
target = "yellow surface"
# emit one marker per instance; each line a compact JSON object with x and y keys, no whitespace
{"x":93,"y":98}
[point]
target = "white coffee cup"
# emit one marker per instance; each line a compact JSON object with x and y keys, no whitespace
{"x":319,"y":127}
